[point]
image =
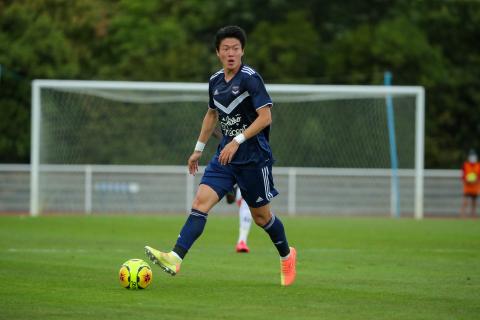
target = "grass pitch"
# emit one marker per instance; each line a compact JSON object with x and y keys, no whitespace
{"x":66,"y":267}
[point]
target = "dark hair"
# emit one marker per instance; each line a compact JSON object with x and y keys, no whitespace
{"x":230,"y":32}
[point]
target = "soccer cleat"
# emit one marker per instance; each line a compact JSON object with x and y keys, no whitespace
{"x":288,"y":268}
{"x":242,"y":247}
{"x":167,"y":261}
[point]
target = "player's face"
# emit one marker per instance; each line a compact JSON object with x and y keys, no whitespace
{"x":230,"y":53}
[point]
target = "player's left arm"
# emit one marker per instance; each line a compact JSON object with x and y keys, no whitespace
{"x":263,"y":120}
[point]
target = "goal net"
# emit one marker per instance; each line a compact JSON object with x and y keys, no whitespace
{"x":95,"y":143}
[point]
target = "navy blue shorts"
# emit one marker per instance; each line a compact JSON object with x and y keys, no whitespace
{"x":256,"y":184}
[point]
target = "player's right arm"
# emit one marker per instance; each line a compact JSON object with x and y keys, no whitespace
{"x":208,"y":125}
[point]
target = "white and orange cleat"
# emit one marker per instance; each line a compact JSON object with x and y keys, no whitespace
{"x":242,"y":247}
{"x":288,"y":270}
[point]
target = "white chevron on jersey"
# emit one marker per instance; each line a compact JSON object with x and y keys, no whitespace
{"x":228,"y":109}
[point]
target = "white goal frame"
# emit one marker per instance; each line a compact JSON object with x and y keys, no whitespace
{"x":417,"y":91}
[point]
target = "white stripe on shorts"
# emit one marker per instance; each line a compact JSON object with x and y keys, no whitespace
{"x":270,"y":196}
{"x":266,"y":184}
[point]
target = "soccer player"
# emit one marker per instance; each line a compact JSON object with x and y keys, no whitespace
{"x":471,"y":183}
{"x":239,"y":99}
{"x":245,"y":219}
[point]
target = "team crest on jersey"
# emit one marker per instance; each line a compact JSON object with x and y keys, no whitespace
{"x":216,"y":92}
{"x":235,"y":90}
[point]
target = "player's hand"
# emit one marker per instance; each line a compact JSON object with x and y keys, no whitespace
{"x":228,"y":152}
{"x":193,"y":162}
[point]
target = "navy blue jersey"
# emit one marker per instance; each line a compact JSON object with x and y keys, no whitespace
{"x":237,"y":102}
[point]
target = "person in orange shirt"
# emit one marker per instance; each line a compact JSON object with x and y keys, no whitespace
{"x":471,"y":183}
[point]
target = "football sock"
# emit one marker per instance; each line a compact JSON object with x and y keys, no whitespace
{"x":245,"y":222}
{"x":191,"y":230}
{"x":275,"y":230}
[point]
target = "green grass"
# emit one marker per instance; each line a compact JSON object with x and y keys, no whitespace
{"x":61,"y":267}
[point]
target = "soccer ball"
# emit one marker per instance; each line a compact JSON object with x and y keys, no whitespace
{"x":135,"y":274}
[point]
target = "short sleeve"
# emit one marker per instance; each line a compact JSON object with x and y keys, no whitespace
{"x":257,"y":91}
{"x":211,"y":105}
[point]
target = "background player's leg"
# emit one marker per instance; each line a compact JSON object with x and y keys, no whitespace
{"x":474,"y":206}
{"x":464,"y":206}
{"x":245,"y":218}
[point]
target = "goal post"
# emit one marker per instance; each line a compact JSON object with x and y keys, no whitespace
{"x":315,"y":127}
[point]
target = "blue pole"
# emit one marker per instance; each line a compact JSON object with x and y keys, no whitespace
{"x":395,"y":192}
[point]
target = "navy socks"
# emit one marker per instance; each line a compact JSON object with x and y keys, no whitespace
{"x":195,"y":224}
{"x":275,"y":230}
{"x":191,"y":230}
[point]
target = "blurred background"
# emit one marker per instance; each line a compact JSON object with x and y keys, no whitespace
{"x":431,"y":43}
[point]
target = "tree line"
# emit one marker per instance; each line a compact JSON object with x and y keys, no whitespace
{"x":431,"y":43}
